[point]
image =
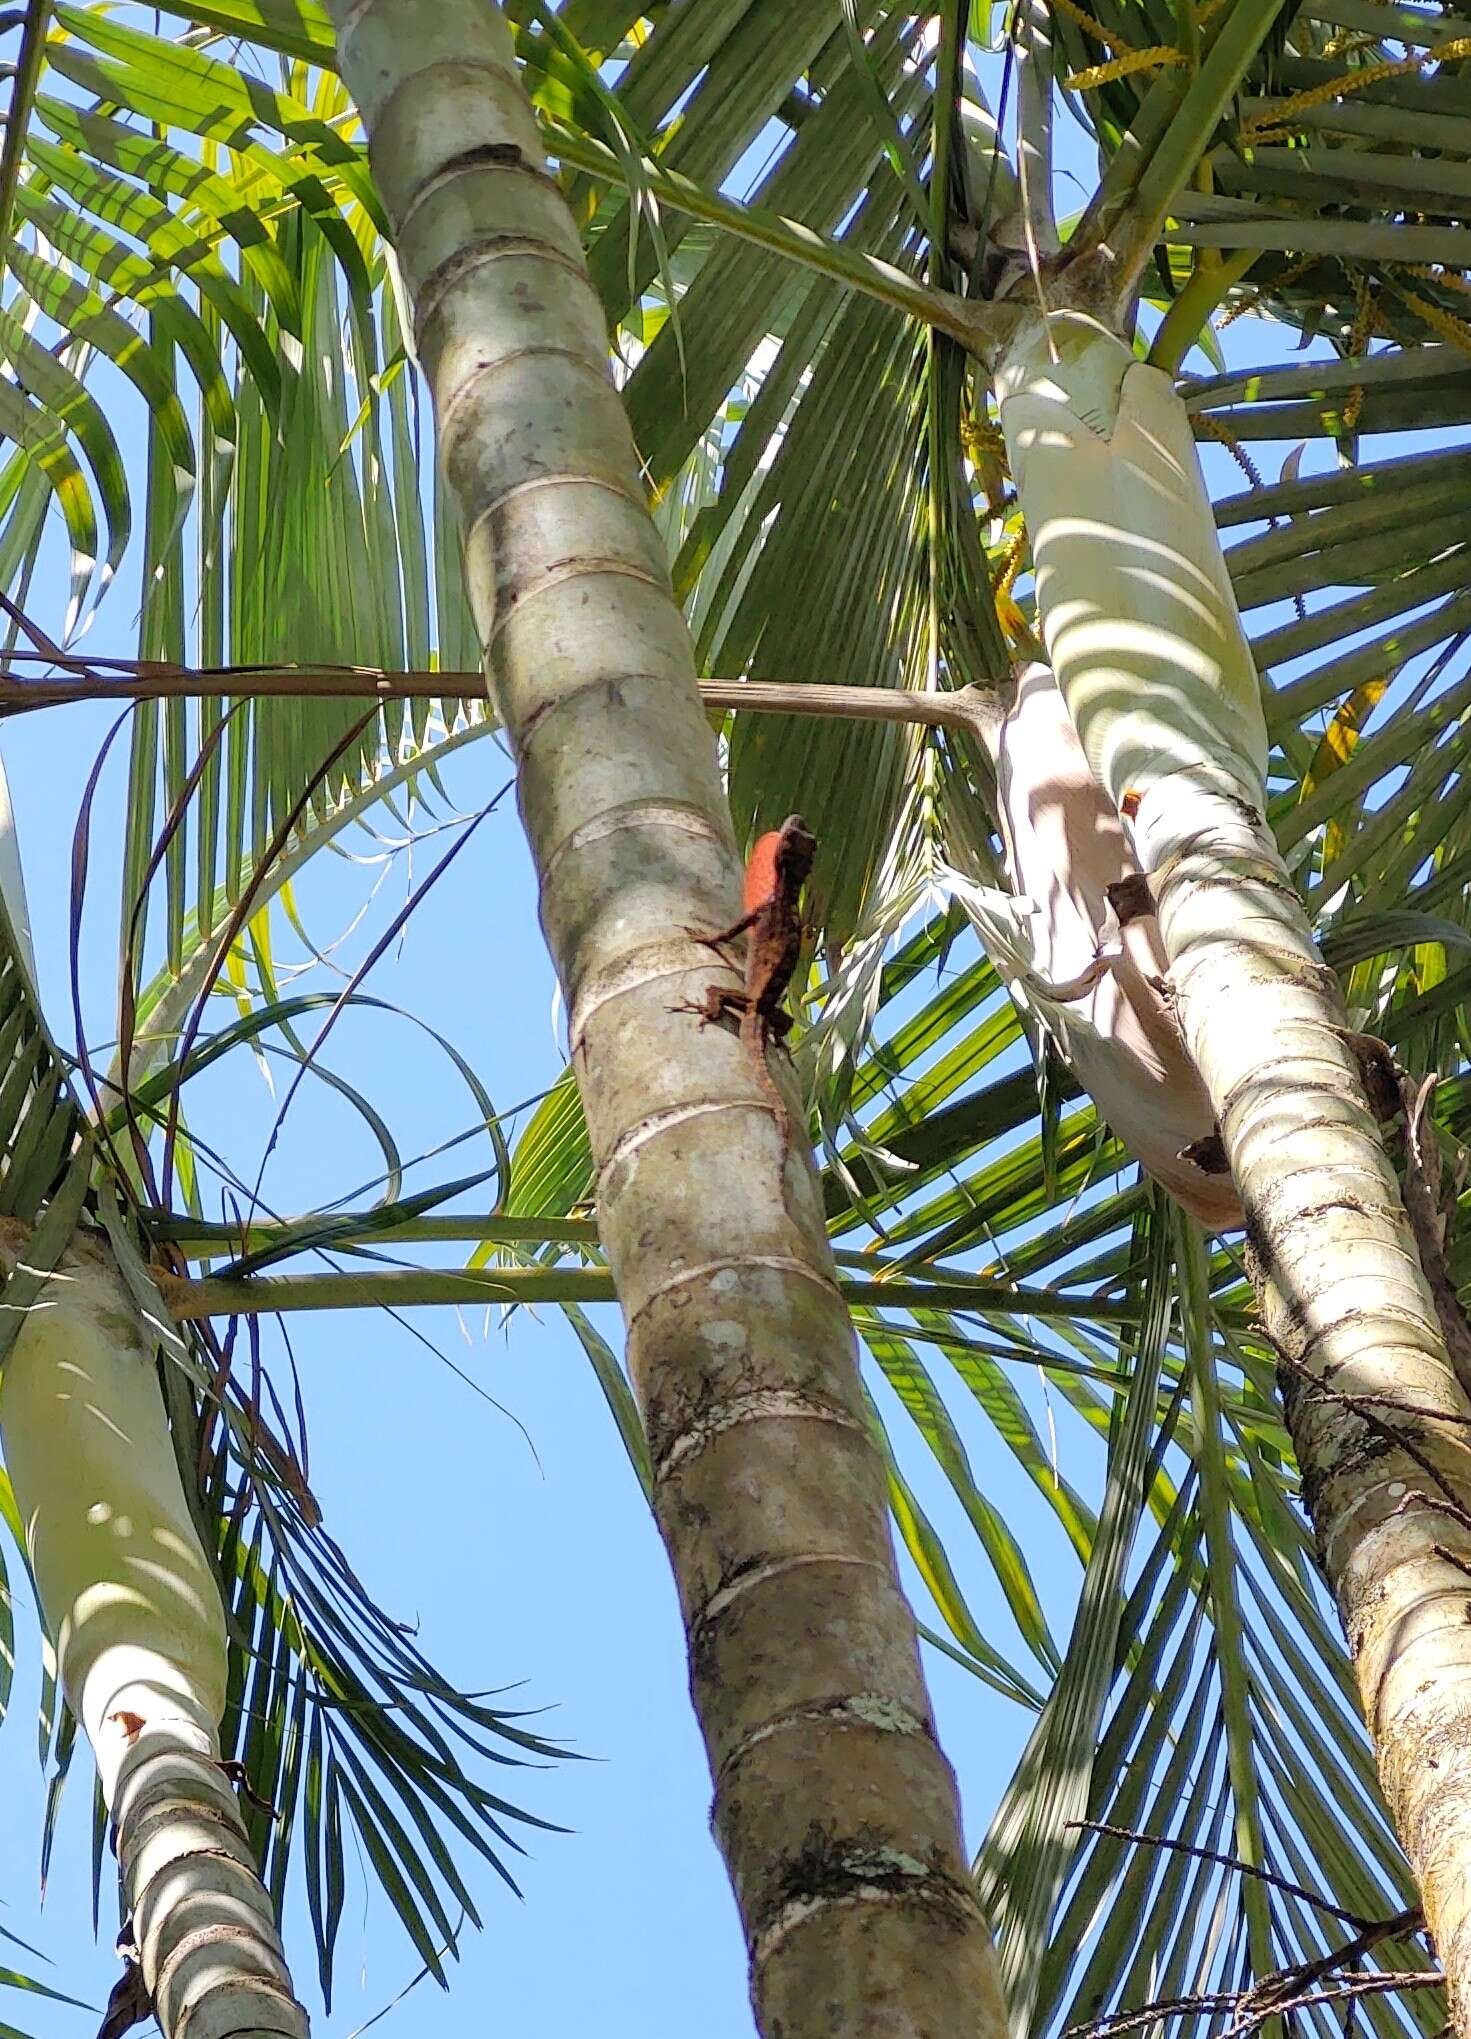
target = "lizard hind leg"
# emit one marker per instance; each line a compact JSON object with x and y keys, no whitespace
{"x":720,"y":1001}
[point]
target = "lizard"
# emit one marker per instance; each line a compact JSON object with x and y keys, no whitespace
{"x":775,"y":874}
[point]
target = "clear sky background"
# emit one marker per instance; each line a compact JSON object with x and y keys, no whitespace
{"x":516,"y":1537}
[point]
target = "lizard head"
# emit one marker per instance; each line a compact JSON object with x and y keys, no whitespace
{"x":796,"y":847}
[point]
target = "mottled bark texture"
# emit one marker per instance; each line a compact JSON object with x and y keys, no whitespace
{"x":1148,"y":649}
{"x":834,"y":1806}
{"x":133,"y":1612}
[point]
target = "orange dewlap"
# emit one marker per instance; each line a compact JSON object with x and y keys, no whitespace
{"x":761,"y":871}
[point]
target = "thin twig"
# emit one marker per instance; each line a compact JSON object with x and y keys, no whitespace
{"x":1282,"y":1883}
{"x":1344,"y":1990}
{"x":1347,"y":1989}
{"x":1362,"y":1407}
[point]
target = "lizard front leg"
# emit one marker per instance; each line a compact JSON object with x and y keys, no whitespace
{"x":727,"y":934}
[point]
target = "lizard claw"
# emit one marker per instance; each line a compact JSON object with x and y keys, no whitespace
{"x":701,"y":1012}
{"x":721,"y":1001}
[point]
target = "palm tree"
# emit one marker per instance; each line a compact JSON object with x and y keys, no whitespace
{"x":834,"y":1807}
{"x":845,"y":344}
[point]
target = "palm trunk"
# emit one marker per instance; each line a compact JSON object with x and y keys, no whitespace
{"x":1148,"y":648}
{"x":834,"y":1806}
{"x":133,"y":1612}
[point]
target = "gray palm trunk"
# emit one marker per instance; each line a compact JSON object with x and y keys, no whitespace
{"x":834,"y":1806}
{"x":1147,"y":646}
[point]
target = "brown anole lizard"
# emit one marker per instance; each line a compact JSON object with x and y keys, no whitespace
{"x":777,"y":870}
